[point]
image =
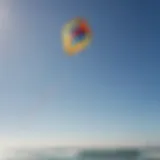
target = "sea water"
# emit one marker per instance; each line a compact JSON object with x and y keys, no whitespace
{"x":82,"y":154}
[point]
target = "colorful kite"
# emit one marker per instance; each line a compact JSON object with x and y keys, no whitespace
{"x":76,"y":36}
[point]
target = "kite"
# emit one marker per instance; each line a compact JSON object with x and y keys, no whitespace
{"x":76,"y":36}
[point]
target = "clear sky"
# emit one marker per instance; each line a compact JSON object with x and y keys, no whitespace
{"x":108,"y":94}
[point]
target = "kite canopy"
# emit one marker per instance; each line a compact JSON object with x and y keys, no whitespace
{"x":76,"y":36}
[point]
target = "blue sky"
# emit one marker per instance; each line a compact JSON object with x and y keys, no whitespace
{"x":107,"y":94}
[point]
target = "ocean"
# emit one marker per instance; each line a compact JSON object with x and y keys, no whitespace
{"x":84,"y":154}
